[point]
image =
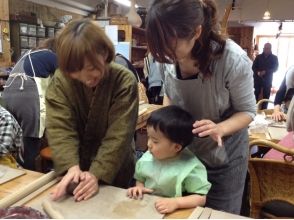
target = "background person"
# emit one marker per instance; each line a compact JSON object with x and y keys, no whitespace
{"x":211,"y":78}
{"x":11,"y":145}
{"x":284,"y":95}
{"x":264,"y":66}
{"x":24,"y":96}
{"x":153,"y":74}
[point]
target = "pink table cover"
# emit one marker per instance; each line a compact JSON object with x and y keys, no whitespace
{"x":287,"y":141}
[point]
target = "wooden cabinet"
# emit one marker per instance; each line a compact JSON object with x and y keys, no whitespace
{"x":244,"y":37}
{"x":138,"y":41}
{"x":25,"y":36}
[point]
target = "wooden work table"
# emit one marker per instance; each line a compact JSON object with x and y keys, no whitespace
{"x":274,"y":134}
{"x":19,"y":182}
{"x":16,"y":184}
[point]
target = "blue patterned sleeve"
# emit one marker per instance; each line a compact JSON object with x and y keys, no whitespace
{"x":10,"y":136}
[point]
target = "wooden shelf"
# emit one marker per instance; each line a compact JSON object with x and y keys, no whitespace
{"x":137,"y":36}
{"x":137,"y":30}
{"x":139,"y":47}
{"x":138,"y":65}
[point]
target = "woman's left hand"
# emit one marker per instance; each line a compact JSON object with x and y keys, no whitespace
{"x":207,"y":127}
{"x":87,"y":187}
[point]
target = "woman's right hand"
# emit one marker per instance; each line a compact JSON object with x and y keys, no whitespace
{"x":73,"y":175}
{"x":207,"y":127}
{"x":278,"y":116}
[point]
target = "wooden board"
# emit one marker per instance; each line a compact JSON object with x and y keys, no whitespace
{"x":196,"y":213}
{"x":7,"y":173}
{"x":277,"y":133}
{"x":110,"y":202}
{"x":208,"y":213}
{"x":224,"y":215}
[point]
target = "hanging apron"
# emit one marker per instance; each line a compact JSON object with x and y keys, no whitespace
{"x":24,"y":96}
{"x":202,"y":99}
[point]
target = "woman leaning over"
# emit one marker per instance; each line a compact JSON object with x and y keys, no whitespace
{"x":210,"y":77}
{"x":92,"y":108}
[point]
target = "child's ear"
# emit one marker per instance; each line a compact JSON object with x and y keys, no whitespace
{"x":178,"y":147}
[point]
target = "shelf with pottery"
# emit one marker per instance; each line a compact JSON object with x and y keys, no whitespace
{"x":133,"y":34}
{"x":136,"y":36}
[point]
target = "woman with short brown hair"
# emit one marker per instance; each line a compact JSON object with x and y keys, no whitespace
{"x":92,"y":109}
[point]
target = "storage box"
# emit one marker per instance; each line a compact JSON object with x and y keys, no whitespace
{"x":32,"y":42}
{"x":23,"y":29}
{"x":50,"y":32}
{"x":41,"y":31}
{"x":24,"y":41}
{"x":32,"y":30}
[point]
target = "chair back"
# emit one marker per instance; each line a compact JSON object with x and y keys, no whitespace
{"x":266,"y":111}
{"x":270,"y":179}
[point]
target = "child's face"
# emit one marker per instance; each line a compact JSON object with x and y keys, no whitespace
{"x":160,"y":146}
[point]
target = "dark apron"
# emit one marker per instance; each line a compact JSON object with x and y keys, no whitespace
{"x":226,"y":165}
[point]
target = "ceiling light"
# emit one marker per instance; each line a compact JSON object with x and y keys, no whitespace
{"x":267,"y":15}
{"x":125,"y":3}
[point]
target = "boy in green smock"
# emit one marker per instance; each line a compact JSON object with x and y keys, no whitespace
{"x":168,"y":168}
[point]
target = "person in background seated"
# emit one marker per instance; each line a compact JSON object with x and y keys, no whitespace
{"x":92,"y":110}
{"x":169,"y":169}
{"x":122,"y":60}
{"x":264,"y":66}
{"x":288,"y":140}
{"x":290,"y":117}
{"x":24,"y":96}
{"x":284,"y":94}
{"x":11,"y":145}
{"x":153,"y":73}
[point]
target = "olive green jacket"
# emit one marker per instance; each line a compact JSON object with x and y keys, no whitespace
{"x":94,"y":129}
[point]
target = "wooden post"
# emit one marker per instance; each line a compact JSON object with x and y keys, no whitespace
{"x":5,"y":56}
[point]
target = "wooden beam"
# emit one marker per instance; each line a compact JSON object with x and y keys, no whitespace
{"x":5,"y":56}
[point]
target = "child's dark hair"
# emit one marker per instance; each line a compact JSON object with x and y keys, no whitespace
{"x":174,"y":122}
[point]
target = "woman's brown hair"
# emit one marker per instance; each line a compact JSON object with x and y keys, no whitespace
{"x":80,"y":40}
{"x":178,"y":19}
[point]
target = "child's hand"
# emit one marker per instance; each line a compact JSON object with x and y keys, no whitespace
{"x":137,"y":192}
{"x":166,"y":205}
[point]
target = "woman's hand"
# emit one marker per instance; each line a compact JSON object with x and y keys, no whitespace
{"x":72,"y":175}
{"x":166,"y":205}
{"x":87,"y":187}
{"x":137,"y":192}
{"x":278,"y":115}
{"x":207,"y":127}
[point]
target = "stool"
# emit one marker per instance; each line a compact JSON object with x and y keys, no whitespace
{"x":46,"y":154}
{"x":44,"y":159}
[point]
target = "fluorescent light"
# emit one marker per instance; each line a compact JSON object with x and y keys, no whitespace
{"x":125,"y":2}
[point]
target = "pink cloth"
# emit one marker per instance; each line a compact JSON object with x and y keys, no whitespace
{"x":287,"y":141}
